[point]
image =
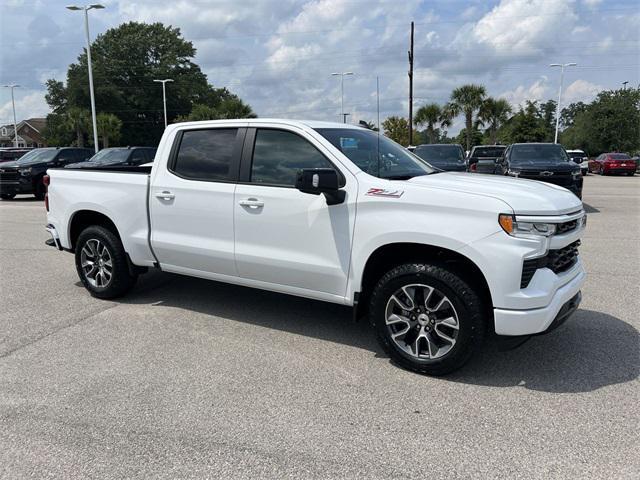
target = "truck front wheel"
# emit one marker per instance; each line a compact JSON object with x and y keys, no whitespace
{"x":102,"y":263}
{"x":427,"y":319}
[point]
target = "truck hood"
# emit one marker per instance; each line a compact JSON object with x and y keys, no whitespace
{"x":525,"y":197}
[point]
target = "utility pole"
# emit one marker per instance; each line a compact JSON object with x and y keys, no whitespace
{"x":378,"y":100}
{"x":562,"y":67}
{"x":86,"y":9}
{"x":342,"y":74}
{"x":13,"y":104}
{"x":411,"y":89}
{"x":164,"y":97}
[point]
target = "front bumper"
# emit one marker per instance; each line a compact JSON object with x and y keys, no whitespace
{"x":530,"y":322}
{"x":16,"y":187}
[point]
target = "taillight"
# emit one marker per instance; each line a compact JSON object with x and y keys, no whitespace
{"x":46,"y":181}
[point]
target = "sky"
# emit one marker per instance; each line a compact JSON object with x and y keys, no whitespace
{"x":278,"y":55}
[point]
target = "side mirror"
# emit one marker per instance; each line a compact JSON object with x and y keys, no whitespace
{"x":321,"y":180}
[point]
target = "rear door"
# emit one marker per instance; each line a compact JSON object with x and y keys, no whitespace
{"x":284,"y":236}
{"x":191,"y":201}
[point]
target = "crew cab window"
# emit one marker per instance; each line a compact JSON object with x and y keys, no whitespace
{"x":278,"y":155}
{"x":67,"y":156}
{"x":206,"y":154}
{"x":138,"y":157}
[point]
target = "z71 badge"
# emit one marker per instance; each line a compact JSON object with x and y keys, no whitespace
{"x":381,"y":192}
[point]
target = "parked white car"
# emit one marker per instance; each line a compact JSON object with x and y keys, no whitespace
{"x":336,"y":213}
{"x":581,"y":158}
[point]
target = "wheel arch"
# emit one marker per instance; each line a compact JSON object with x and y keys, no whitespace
{"x":387,"y":256}
{"x":82,"y":219}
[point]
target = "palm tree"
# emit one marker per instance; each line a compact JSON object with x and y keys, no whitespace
{"x":467,"y":99}
{"x":431,"y":115}
{"x":108,"y":128}
{"x":77,"y":120}
{"x":494,"y":113}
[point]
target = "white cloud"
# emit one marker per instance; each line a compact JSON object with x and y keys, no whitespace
{"x":28,"y":105}
{"x":581,"y":91}
{"x":538,"y":90}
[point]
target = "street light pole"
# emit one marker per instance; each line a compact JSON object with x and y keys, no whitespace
{"x":342,"y":74}
{"x":562,"y":67}
{"x":624,"y":85}
{"x":13,"y":104}
{"x":164,"y":97}
{"x":86,"y":9}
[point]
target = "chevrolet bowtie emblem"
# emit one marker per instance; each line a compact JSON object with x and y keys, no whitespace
{"x":546,"y":174}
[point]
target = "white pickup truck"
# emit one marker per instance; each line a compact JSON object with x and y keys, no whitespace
{"x":336,"y":213}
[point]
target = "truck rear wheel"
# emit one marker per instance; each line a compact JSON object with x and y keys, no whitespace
{"x":102,"y":263}
{"x":427,"y":319}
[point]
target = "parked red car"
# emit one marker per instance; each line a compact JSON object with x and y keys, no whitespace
{"x":610,"y":163}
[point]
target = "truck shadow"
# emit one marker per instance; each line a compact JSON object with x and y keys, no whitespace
{"x":593,"y":350}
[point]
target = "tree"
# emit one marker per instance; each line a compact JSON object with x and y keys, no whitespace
{"x":570,"y":112}
{"x":397,"y":129}
{"x":200,"y":112}
{"x":527,"y":125}
{"x":368,"y":125}
{"x":76,"y":120}
{"x":476,"y":137}
{"x":126,"y":60}
{"x":467,"y":100}
{"x":431,"y":115}
{"x":109,"y":128}
{"x":610,"y":123}
{"x":493,"y":114}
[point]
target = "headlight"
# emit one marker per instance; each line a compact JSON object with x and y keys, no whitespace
{"x":525,"y":229}
{"x":513,"y":173}
{"x":25,"y":172}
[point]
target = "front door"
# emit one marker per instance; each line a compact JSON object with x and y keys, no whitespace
{"x":191,"y":202}
{"x":284,"y":236}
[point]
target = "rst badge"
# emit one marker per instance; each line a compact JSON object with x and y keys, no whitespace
{"x":382,"y":192}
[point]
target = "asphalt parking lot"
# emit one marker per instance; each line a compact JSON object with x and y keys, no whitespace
{"x":189,"y":378}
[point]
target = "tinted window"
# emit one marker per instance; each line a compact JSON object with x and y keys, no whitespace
{"x":138,"y":157}
{"x":492,"y":152}
{"x":38,"y":156}
{"x":619,"y":156}
{"x":206,"y":154}
{"x":278,"y":155}
{"x":375,"y":154}
{"x":538,"y":153}
{"x":440,"y":154}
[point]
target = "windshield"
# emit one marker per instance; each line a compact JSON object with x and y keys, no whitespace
{"x":38,"y":156}
{"x":538,"y":153}
{"x":376,"y":154}
{"x":110,"y":155}
{"x":492,"y":152}
{"x":440,"y":154}
{"x":576,"y":155}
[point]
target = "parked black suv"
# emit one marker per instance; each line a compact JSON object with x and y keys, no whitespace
{"x":547,"y":162}
{"x":482,"y":158}
{"x":126,"y":156}
{"x":25,"y":175}
{"x":448,"y":157}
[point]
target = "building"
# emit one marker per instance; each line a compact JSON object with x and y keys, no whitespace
{"x":29,"y":133}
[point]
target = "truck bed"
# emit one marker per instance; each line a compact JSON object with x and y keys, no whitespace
{"x":119,"y":193}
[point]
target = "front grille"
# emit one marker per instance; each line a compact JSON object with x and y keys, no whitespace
{"x":557,"y":261}
{"x":558,"y":178}
{"x":9,"y":176}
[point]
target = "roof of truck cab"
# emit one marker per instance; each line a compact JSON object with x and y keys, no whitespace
{"x":300,"y":123}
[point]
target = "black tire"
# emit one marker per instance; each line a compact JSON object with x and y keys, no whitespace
{"x":464,"y":299}
{"x":631,"y":174}
{"x":122,"y":279}
{"x":601,"y":172}
{"x":41,"y":190}
{"x":7,"y":196}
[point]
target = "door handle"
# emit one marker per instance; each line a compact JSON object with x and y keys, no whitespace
{"x":251,"y":203}
{"x":165,"y":195}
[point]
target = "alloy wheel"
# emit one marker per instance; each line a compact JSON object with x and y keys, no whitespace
{"x":97,"y":264}
{"x":422,"y":321}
